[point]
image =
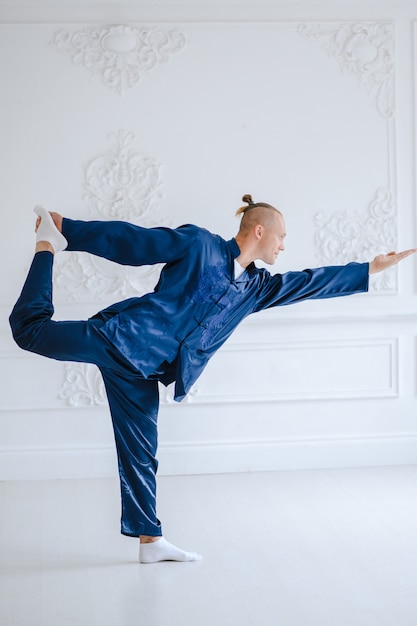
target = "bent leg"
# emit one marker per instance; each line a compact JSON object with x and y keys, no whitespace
{"x":33,"y":329}
{"x":134,"y":404}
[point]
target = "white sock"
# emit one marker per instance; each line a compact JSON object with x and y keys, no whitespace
{"x":162,"y":550}
{"x":47,"y":230}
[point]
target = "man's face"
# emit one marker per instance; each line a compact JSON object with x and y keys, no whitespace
{"x":271,"y":242}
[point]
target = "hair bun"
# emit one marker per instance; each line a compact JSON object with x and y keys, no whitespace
{"x":247,"y":198}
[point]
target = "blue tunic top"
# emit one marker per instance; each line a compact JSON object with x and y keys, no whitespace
{"x":172,"y":332}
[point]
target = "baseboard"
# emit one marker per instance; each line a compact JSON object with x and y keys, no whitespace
{"x":53,"y":463}
{"x":215,"y":457}
{"x":291,"y":454}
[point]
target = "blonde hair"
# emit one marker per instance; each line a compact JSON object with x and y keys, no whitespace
{"x":256,"y":213}
{"x":253,"y":205}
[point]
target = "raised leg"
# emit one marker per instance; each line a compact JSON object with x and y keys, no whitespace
{"x":35,"y":331}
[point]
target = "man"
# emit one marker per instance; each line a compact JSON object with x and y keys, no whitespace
{"x":206,"y":288}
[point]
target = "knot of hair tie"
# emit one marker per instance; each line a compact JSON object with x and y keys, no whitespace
{"x":250,"y":204}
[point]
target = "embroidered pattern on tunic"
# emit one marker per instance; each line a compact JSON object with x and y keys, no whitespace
{"x":214,"y":288}
{"x":216,"y":323}
{"x":209,"y":283}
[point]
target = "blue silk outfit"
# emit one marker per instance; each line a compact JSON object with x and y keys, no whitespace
{"x":167,"y":335}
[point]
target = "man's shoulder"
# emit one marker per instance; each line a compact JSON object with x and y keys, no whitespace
{"x":196,"y":229}
{"x":200,"y":233}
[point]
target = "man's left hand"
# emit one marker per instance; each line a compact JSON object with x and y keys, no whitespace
{"x":384,"y":261}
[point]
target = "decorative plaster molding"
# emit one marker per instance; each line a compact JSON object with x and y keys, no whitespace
{"x":348,"y":369}
{"x":119,"y":54}
{"x":122,"y":184}
{"x":343,"y":237}
{"x":86,"y":278}
{"x":365,"y":50}
{"x":125,"y":185}
{"x":83,"y":386}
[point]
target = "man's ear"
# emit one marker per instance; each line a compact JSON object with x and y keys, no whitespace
{"x":259,"y":229}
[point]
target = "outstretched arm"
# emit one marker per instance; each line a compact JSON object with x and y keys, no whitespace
{"x":126,"y":243}
{"x":384,"y":261}
{"x":323,"y":282}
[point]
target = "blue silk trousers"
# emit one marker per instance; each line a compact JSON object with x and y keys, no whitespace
{"x":133,"y":401}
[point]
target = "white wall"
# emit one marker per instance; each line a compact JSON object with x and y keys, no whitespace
{"x":310,"y":108}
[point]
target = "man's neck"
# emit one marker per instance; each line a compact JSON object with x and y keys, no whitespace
{"x":245,"y":257}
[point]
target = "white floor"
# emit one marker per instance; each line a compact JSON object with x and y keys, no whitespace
{"x":325,"y":548}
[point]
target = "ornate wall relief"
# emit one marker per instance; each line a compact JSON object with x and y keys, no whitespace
{"x":121,"y":184}
{"x":365,"y":50}
{"x":119,"y":54}
{"x":82,"y":386}
{"x":87,"y":278}
{"x":342,"y":237}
